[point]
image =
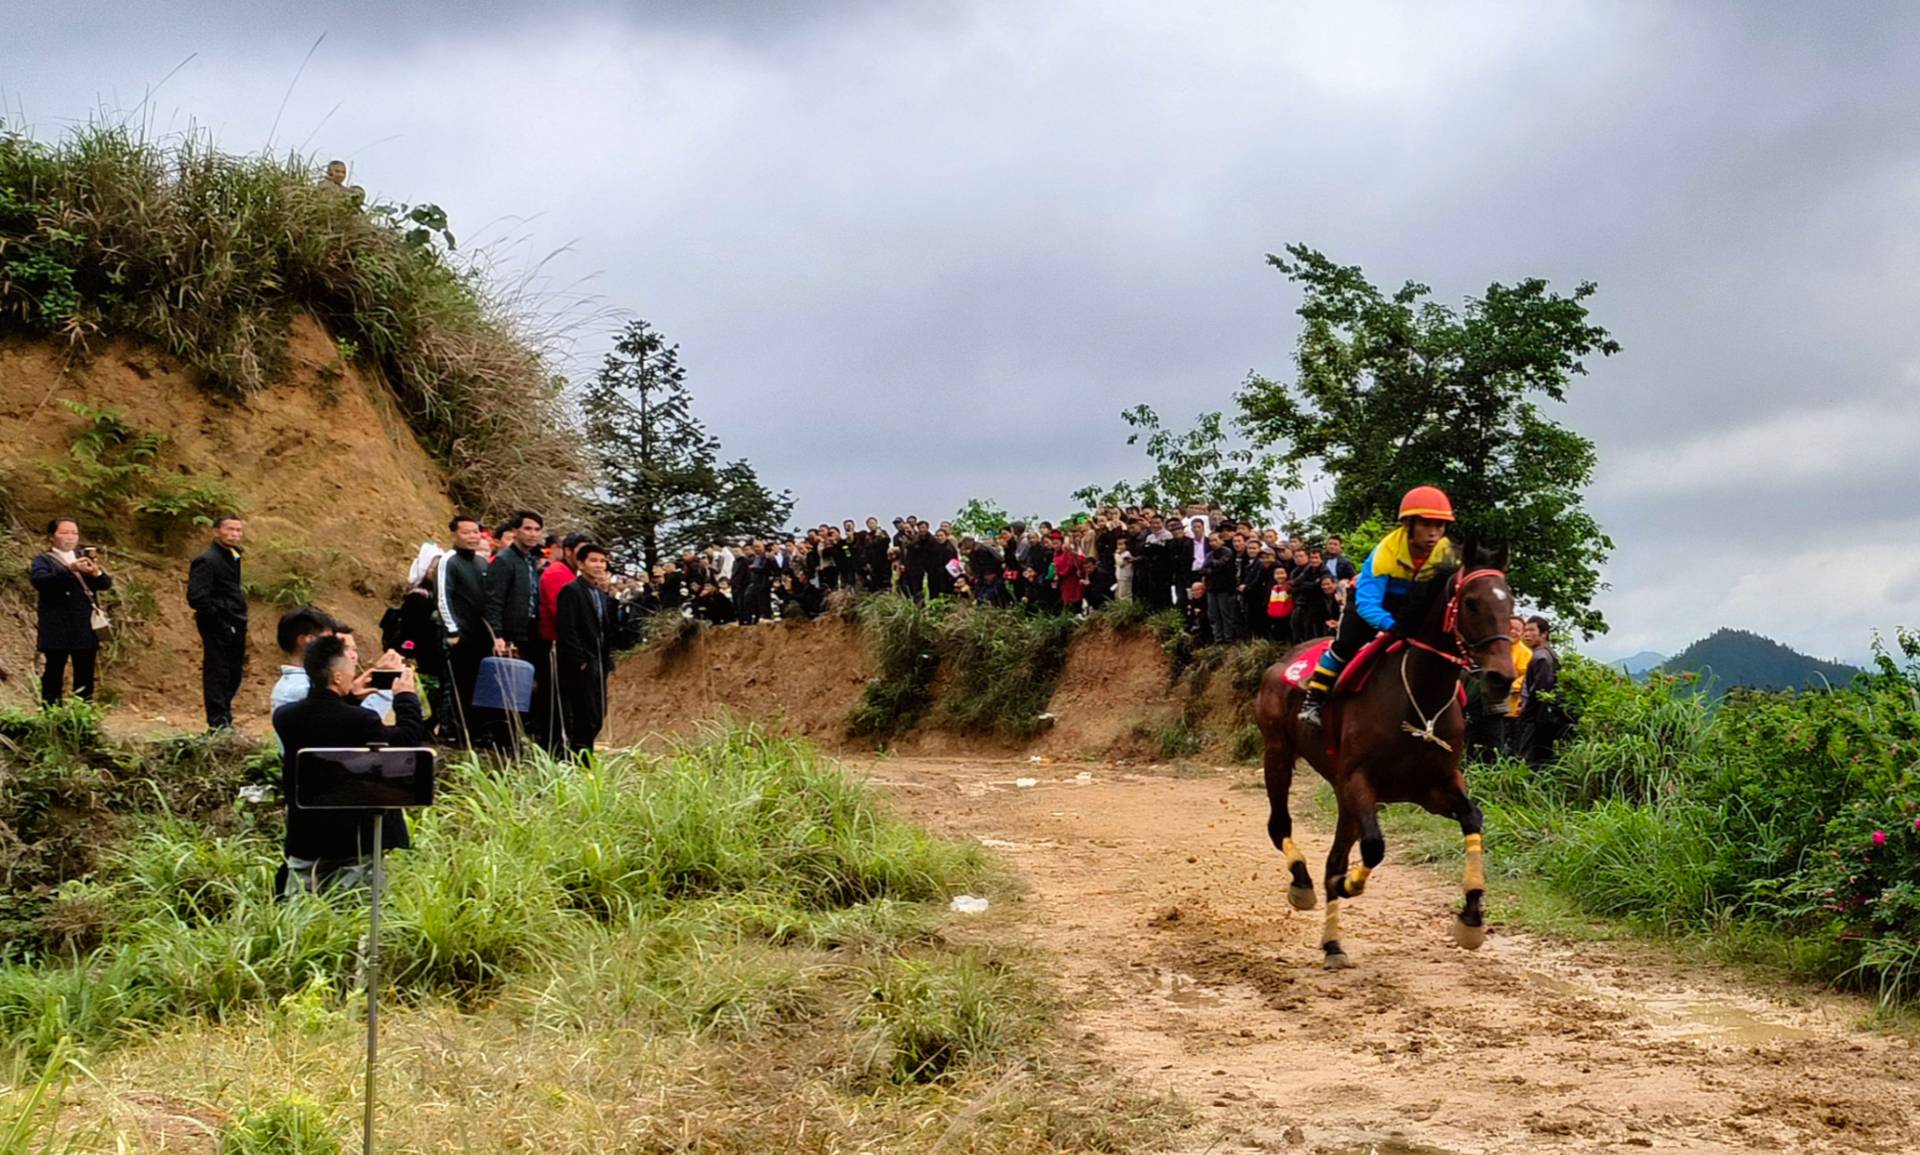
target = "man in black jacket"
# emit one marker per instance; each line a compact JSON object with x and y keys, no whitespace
{"x":582,"y":625}
{"x":1543,"y":720}
{"x":513,"y":589}
{"x":326,"y":848}
{"x":219,"y":604}
{"x":462,"y":602}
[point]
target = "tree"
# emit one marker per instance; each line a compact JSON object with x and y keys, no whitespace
{"x":1396,"y":391}
{"x":660,"y":487}
{"x":1197,"y":467}
{"x":981,"y":518}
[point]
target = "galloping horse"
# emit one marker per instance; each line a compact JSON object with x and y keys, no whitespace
{"x":1398,"y":738}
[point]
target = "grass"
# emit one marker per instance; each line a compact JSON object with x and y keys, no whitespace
{"x":1002,"y":666}
{"x":726,"y":947}
{"x":106,"y":233}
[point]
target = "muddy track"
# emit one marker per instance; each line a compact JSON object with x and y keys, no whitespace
{"x":1166,"y":910}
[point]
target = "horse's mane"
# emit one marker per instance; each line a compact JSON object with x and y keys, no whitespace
{"x":1422,"y":598}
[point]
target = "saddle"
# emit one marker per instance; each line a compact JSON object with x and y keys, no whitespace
{"x":1353,"y":678}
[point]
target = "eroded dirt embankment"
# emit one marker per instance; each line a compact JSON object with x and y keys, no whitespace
{"x":1163,"y":907}
{"x":806,"y":678}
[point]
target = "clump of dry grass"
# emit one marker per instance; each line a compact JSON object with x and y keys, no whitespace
{"x":105,"y":233}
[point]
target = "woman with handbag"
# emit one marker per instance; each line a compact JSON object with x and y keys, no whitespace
{"x":71,"y":622}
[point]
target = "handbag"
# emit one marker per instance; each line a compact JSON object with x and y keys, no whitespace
{"x":102,"y":624}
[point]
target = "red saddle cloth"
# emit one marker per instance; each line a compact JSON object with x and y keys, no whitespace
{"x":1353,"y":676}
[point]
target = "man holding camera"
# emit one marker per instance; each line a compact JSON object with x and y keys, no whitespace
{"x":328,"y":848}
{"x":219,"y":604}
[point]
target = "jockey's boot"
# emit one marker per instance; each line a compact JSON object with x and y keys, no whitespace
{"x":1318,"y":687}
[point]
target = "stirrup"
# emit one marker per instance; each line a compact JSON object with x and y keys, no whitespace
{"x":1310,"y":709}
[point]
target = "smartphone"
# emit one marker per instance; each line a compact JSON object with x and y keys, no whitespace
{"x":83,"y":551}
{"x":384,"y":679}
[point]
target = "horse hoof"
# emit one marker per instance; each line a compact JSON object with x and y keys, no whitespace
{"x":1468,"y":937}
{"x":1339,"y":961}
{"x":1303,"y":897}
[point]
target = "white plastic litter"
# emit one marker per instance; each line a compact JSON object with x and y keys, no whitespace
{"x":1025,"y":783}
{"x":967,"y":904}
{"x":253,"y":795}
{"x":1083,"y":776}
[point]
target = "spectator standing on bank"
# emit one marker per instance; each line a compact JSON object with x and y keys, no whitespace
{"x":1339,"y":566}
{"x":584,"y":625}
{"x":1542,"y":720}
{"x":328,"y":848}
{"x":513,"y":594}
{"x":462,"y":595}
{"x":67,"y":582}
{"x":219,"y":604}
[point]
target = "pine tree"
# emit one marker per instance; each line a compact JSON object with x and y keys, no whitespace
{"x":660,"y":485}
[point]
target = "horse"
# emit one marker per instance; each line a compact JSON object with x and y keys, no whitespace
{"x":1399,"y":738}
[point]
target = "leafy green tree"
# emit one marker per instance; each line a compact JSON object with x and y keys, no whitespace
{"x":1196,"y":467}
{"x":981,"y":518}
{"x":1396,"y":390}
{"x":660,"y":486}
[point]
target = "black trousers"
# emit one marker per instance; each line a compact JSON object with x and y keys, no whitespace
{"x":53,"y":680}
{"x":583,"y":707}
{"x":543,"y":723}
{"x":463,"y":668}
{"x":223,"y":662}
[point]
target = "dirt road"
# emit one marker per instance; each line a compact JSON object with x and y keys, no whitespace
{"x":1166,"y":909}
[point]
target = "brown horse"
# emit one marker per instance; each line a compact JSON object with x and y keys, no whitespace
{"x":1400,"y":738}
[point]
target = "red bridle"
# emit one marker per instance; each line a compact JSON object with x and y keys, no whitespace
{"x":1451,"y":622}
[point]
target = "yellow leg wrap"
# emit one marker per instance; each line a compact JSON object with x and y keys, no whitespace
{"x":1330,"y":929}
{"x":1476,"y":875}
{"x":1321,"y":680}
{"x":1291,"y":851}
{"x":1356,"y":880}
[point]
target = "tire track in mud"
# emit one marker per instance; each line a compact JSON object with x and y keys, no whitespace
{"x":1166,"y":909}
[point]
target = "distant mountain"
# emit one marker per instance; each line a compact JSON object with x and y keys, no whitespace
{"x":1641,"y":663}
{"x":1729,"y":658}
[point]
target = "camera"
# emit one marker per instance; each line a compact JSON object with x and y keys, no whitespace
{"x":85,"y":551}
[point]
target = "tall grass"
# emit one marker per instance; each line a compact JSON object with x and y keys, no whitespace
{"x":1002,"y":666}
{"x":727,"y":846}
{"x":1785,"y":824}
{"x":106,"y":233}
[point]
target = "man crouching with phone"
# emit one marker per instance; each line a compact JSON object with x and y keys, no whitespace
{"x":328,"y":849}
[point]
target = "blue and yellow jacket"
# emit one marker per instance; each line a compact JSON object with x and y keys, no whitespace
{"x":1389,"y":576}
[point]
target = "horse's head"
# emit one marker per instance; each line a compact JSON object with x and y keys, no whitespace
{"x":1478,"y":609}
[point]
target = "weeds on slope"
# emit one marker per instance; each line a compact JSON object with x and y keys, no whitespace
{"x":106,"y":233}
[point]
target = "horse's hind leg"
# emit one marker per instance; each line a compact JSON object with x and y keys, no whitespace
{"x":1279,"y":773}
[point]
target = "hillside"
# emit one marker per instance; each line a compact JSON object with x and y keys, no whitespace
{"x":1638,"y":665}
{"x":1730,"y":658}
{"x":337,"y":493}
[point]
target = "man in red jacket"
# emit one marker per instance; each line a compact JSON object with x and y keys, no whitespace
{"x":559,"y":572}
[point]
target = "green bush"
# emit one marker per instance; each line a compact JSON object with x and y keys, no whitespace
{"x":1789,"y":815}
{"x":903,"y":636}
{"x":295,"y":1125}
{"x":1002,"y":666}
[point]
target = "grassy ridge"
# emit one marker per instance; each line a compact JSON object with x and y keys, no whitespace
{"x":211,"y":256}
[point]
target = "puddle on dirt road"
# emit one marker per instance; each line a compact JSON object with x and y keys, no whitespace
{"x":1554,"y":986}
{"x":1182,"y":990}
{"x":1388,"y":1147}
{"x":1717,"y":1022}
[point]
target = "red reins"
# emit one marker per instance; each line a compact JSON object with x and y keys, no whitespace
{"x":1450,"y":623}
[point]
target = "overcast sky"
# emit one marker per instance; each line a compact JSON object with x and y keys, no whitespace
{"x":914,"y":253}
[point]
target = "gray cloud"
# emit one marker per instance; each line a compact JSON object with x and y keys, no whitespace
{"x":918,"y":252}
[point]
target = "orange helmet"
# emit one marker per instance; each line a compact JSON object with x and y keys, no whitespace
{"x":1426,"y":501}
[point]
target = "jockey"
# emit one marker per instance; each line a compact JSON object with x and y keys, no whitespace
{"x":1408,"y":555}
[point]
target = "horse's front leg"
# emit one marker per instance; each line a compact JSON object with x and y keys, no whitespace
{"x":1469,"y":929}
{"x":1279,"y":780}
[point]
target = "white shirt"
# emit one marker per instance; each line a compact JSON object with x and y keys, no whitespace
{"x":293,"y":686}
